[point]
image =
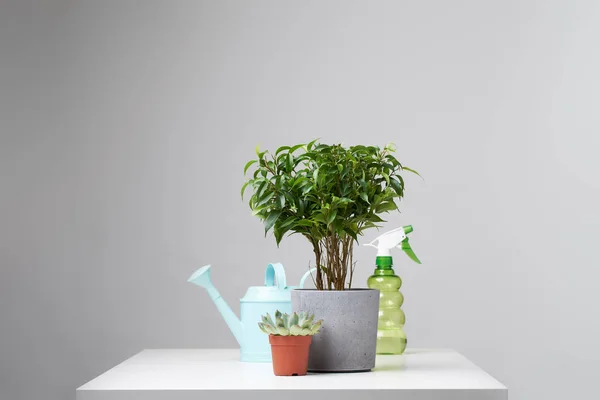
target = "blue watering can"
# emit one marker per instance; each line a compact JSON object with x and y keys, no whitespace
{"x":259,"y":300}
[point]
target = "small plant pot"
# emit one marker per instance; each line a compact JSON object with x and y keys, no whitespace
{"x":290,"y":354}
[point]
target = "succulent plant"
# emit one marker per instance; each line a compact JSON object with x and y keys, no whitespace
{"x":290,"y":325}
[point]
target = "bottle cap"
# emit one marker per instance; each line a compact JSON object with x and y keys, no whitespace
{"x":383,"y":262}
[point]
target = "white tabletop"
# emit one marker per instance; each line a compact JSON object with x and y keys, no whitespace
{"x":217,"y":374}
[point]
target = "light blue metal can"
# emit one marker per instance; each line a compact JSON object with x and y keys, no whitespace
{"x":259,"y":300}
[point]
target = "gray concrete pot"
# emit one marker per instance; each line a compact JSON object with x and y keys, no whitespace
{"x":348,"y":338}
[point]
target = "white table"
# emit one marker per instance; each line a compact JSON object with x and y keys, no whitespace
{"x":217,"y":374}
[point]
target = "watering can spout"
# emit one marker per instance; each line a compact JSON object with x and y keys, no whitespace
{"x":202,"y":278}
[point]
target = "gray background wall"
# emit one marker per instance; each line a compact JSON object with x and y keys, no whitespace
{"x":125,"y":126}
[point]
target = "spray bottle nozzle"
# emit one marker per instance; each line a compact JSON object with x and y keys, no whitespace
{"x":394,"y":238}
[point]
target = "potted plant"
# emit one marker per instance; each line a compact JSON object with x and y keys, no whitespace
{"x":330,"y":194}
{"x":290,"y":337}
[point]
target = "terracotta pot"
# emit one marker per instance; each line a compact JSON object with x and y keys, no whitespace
{"x":290,"y":354}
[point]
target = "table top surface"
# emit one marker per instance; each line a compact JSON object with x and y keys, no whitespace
{"x":220,"y":369}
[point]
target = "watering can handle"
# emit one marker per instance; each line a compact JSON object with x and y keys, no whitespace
{"x":275,"y":273}
{"x":306,"y":275}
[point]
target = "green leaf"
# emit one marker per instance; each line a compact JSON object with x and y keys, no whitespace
{"x":363,"y":184}
{"x":248,"y":164}
{"x":267,"y":196}
{"x":286,"y":223}
{"x":259,"y":211}
{"x":278,"y":233}
{"x":369,"y":225}
{"x":244,"y":188}
{"x":272,"y":329}
{"x":281,"y":201}
{"x":412,"y":170}
{"x":307,"y":189}
{"x":294,"y":319}
{"x":375,"y":218}
{"x":268,"y":320}
{"x":296,"y":147}
{"x":283,"y":331}
{"x":397,"y":187}
{"x":351,"y":233}
{"x":331,"y":217}
{"x":282,"y":148}
{"x":262,"y":328}
{"x":320,"y":218}
{"x":301,"y":206}
{"x":387,"y":206}
{"x":386,"y":177}
{"x":364,"y":196}
{"x":304,"y":222}
{"x":295,"y":330}
{"x":286,"y":319}
{"x":297,"y":182}
{"x":261,"y":187}
{"x":271,"y":219}
{"x":316,"y":327}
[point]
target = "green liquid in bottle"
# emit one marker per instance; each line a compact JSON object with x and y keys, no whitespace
{"x":391,"y":338}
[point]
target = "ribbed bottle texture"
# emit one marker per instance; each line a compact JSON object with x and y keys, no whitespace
{"x":391,"y":338}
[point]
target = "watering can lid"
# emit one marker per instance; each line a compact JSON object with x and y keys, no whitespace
{"x":275,"y":288}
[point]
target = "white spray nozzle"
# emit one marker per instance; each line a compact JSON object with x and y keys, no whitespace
{"x":387,"y":241}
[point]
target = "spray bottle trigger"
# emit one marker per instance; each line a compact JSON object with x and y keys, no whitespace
{"x":405,"y":247}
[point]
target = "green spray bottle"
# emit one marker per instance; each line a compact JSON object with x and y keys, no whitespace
{"x":391,"y":338}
